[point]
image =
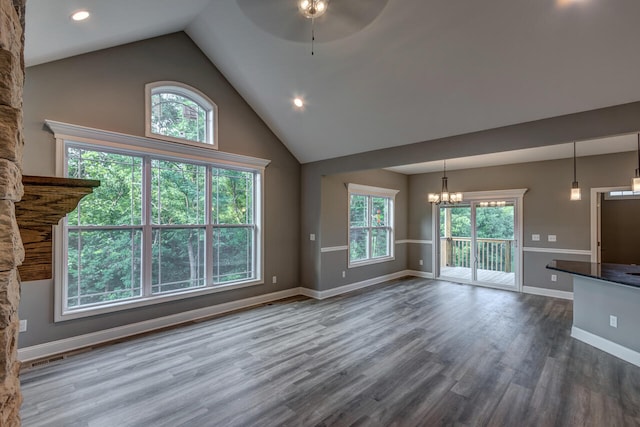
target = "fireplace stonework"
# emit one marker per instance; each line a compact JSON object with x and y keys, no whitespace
{"x":11,"y":250}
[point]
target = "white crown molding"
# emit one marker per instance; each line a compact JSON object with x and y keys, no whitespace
{"x":369,"y":190}
{"x":83,"y":134}
{"x":494,"y":194}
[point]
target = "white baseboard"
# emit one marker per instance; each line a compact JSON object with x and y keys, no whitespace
{"x":422,"y":274}
{"x":311,"y":293}
{"x":358,"y":285}
{"x":66,"y":345}
{"x":41,"y":351}
{"x":607,"y":346}
{"x":547,"y":292}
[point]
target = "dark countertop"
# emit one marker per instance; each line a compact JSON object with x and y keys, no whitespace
{"x":617,"y":273}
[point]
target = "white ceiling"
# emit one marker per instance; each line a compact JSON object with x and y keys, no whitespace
{"x":420,"y":70}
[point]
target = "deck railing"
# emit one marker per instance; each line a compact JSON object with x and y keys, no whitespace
{"x":492,"y":254}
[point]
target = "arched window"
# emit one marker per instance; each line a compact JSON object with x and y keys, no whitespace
{"x":177,"y":112}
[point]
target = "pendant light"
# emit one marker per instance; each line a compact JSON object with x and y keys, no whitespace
{"x":576,"y":194}
{"x":636,"y":181}
{"x":445,"y":196}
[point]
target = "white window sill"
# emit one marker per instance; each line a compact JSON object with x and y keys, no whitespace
{"x":370,"y":261}
{"x":128,"y":304}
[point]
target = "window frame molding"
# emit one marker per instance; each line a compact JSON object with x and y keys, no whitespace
{"x":108,"y":140}
{"x":367,"y":190}
{"x":195,"y":95}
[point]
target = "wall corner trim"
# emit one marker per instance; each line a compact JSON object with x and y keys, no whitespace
{"x":607,"y":346}
{"x":554,"y":293}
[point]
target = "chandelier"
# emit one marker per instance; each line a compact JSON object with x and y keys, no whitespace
{"x":445,"y":197}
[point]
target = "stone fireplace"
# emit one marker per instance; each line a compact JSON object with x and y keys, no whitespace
{"x":11,"y":190}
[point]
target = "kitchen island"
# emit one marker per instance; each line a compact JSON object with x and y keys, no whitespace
{"x":606,"y":306}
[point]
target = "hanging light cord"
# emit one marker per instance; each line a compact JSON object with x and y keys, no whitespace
{"x":574,"y":162}
{"x":638,"y":169}
{"x":313,"y":33}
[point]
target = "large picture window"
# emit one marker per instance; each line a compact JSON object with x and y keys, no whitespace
{"x":160,"y":225}
{"x":370,"y":224}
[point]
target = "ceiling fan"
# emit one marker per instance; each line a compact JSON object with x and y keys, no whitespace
{"x":295,"y":20}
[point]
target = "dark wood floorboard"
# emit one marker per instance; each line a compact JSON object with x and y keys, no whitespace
{"x":413,"y":352}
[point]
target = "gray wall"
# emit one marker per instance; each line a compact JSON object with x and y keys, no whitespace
{"x":334,"y":230}
{"x":546,"y":206}
{"x":105,"y":90}
{"x":620,"y":231}
{"x":580,"y":126}
{"x":595,"y":301}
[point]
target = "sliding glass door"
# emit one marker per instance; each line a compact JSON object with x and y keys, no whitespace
{"x":477,"y":243}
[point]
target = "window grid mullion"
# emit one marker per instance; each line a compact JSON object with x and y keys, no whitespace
{"x":370,"y":227}
{"x":147,"y":241}
{"x":208,"y":239}
{"x":142,"y":255}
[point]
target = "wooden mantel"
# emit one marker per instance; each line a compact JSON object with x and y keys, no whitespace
{"x":46,"y":200}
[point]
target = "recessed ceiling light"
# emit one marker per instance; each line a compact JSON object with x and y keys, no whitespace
{"x":298,"y":102}
{"x":80,"y":15}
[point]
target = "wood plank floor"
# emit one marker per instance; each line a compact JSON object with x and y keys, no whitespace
{"x":413,"y":352}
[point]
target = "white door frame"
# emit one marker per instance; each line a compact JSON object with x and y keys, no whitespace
{"x":476,"y":196}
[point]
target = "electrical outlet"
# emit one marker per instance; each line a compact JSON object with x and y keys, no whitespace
{"x":344,"y":274}
{"x":421,"y":263}
{"x":274,"y":279}
{"x":535,"y":237}
{"x":312,"y":237}
{"x":613,"y":321}
{"x":554,"y":277}
{"x":551,"y":237}
{"x":23,"y":325}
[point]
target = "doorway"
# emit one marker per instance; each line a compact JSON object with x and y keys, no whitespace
{"x":478,"y":241}
{"x":614,"y":234}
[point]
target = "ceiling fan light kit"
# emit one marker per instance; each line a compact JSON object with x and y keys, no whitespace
{"x":312,"y":8}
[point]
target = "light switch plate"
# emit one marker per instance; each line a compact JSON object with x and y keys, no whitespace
{"x":312,"y":237}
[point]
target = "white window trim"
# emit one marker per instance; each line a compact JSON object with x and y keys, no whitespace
{"x":97,"y":138}
{"x":367,"y":190}
{"x":517,"y":195}
{"x":188,"y":92}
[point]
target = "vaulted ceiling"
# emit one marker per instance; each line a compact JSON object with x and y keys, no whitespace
{"x":384,"y":72}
